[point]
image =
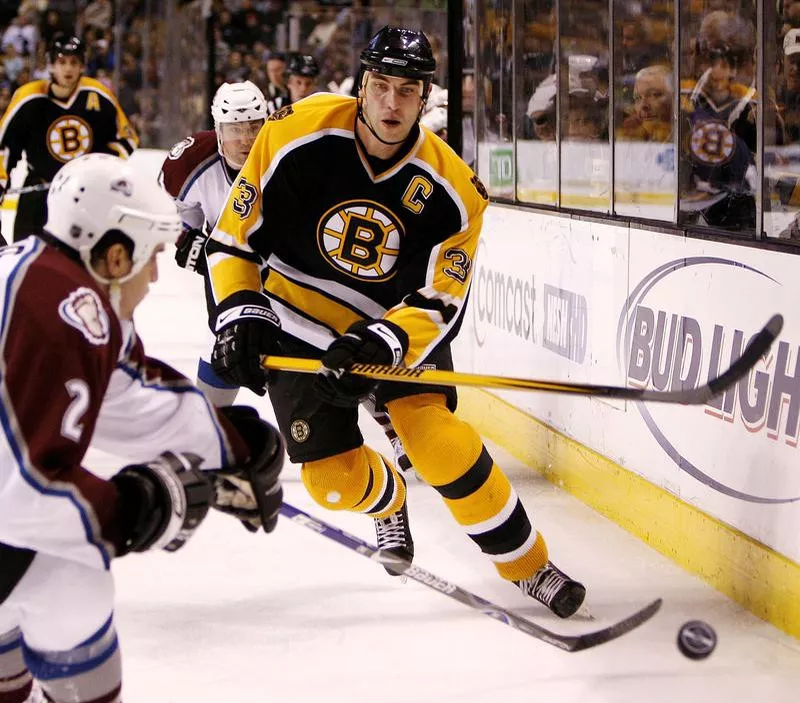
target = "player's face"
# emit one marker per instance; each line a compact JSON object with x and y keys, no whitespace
{"x":237,"y":140}
{"x":652,"y":100}
{"x":391,"y":105}
{"x":67,"y":71}
{"x":791,"y":69}
{"x":300,"y":87}
{"x":720,"y":69}
{"x":135,"y":290}
{"x":275,"y":71}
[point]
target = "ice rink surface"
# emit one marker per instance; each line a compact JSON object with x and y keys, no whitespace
{"x":238,"y":618}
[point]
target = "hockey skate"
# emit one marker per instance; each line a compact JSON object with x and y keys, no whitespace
{"x":553,"y":588}
{"x":394,"y":536}
{"x":36,"y":695}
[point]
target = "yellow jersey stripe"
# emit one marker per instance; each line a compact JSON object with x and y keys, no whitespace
{"x":230,"y":274}
{"x":317,"y":306}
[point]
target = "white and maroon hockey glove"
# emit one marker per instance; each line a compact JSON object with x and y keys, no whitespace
{"x":162,"y":502}
{"x":252,"y":492}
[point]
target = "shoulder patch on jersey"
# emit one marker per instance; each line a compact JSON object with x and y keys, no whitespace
{"x":83,"y":310}
{"x":177,"y":150}
{"x":479,"y":186}
{"x":279,"y":114}
{"x":187,"y":158}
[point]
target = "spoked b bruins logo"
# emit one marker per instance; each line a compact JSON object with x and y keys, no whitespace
{"x":69,"y":137}
{"x":361,"y":238}
{"x":712,"y":143}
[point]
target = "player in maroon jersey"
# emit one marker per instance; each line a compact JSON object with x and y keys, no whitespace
{"x":74,"y":373}
{"x":198,"y":173}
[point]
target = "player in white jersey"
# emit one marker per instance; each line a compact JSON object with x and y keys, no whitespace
{"x":198,"y":173}
{"x":75,"y":374}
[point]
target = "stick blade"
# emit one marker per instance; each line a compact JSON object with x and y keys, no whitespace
{"x":753,"y":352}
{"x":612,"y":632}
{"x":758,"y":346}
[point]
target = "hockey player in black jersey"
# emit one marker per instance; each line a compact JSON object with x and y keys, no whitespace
{"x":54,"y":121}
{"x":301,"y":81}
{"x":350,"y":235}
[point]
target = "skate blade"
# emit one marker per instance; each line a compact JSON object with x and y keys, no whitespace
{"x":583,"y":613}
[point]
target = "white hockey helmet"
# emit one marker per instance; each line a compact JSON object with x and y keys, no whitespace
{"x":98,"y":193}
{"x":238,"y":102}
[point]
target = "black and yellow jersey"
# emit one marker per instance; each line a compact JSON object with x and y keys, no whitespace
{"x":333,"y":242}
{"x":52,"y":131}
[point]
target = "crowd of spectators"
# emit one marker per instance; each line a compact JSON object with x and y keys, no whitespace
{"x":251,"y":42}
{"x":248,"y":34}
{"x":27,"y":27}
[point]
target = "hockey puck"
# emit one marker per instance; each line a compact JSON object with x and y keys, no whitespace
{"x":696,"y":639}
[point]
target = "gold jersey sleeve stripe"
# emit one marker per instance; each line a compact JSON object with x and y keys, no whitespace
{"x":422,"y":330}
{"x":232,"y":274}
{"x":317,"y":306}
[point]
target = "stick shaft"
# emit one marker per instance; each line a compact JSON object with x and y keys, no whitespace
{"x":689,"y":396}
{"x":567,"y":643}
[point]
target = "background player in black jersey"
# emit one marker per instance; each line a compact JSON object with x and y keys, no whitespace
{"x":301,"y":81}
{"x":350,"y":235}
{"x":54,"y":121}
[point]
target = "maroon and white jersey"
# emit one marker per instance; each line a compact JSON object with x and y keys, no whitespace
{"x":71,"y":374}
{"x":195,"y":174}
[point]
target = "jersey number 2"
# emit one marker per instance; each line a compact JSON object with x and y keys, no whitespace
{"x":71,"y":426}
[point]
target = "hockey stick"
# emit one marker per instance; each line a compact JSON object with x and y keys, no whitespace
{"x":759,"y":345}
{"x":568,"y":643}
{"x":28,"y":189}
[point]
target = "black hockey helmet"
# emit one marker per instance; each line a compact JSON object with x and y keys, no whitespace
{"x":66,"y":45}
{"x":302,"y":65}
{"x":395,"y":51}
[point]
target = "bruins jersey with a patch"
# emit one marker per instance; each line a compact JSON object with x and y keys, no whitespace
{"x":333,"y":242}
{"x":721,"y":136}
{"x":52,"y":132}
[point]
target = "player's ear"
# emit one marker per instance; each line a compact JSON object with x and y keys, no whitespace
{"x":117,"y":261}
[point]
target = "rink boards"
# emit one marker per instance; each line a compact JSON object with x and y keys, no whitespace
{"x":715,"y":487}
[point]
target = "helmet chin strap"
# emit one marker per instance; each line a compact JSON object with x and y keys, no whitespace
{"x":361,"y":116}
{"x":114,"y":284}
{"x":362,"y":82}
{"x":55,"y":81}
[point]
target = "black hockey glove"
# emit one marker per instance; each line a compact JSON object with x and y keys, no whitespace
{"x":189,"y":253}
{"x":252,"y":492}
{"x":246,"y":327}
{"x":368,"y":342}
{"x":161,"y":503}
